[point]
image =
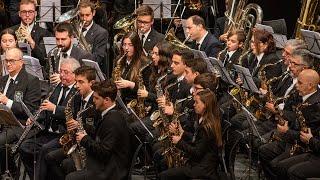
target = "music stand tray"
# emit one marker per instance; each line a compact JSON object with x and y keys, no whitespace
{"x":7,"y":118}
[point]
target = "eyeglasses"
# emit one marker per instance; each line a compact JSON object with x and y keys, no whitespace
{"x":31,"y":12}
{"x":65,"y":72}
{"x":11,"y":61}
{"x":296,"y":64}
{"x":143,"y":22}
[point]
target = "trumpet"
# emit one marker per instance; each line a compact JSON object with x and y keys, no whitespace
{"x":22,"y":33}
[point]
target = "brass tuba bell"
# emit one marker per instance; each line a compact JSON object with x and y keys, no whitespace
{"x":172,"y":39}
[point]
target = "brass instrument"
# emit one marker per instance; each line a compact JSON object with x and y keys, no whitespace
{"x":172,"y":39}
{"x":138,"y":104}
{"x":53,"y":57}
{"x":77,"y":152}
{"x":194,"y":5}
{"x":117,"y":71}
{"x":21,"y":33}
{"x":124,"y":25}
{"x":309,"y":17}
{"x":297,"y":148}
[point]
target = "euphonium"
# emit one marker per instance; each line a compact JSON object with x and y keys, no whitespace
{"x":124,"y":25}
{"x":82,"y":42}
{"x":172,"y":39}
{"x":138,"y":104}
{"x":53,"y":58}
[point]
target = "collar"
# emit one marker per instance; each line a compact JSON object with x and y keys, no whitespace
{"x":87,"y":28}
{"x":146,"y":34}
{"x":88,"y":97}
{"x":180,"y":78}
{"x":202,"y":39}
{"x":200,"y":120}
{"x":69,"y":51}
{"x":305,"y":97}
{"x":30,"y":27}
{"x":230,"y":53}
{"x":14,"y":77}
{"x":259,"y":57}
{"x":107,"y":110}
{"x":70,"y":86}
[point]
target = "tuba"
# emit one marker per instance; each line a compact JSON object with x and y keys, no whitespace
{"x":309,"y":17}
{"x":172,"y":39}
{"x":124,"y":25}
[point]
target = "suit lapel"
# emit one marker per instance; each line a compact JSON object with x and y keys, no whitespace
{"x":19,"y":79}
{"x":205,"y":42}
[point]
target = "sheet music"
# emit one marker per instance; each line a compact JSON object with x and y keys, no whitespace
{"x":25,"y":48}
{"x":46,"y":10}
{"x":312,"y":39}
{"x":49,"y":43}
{"x":155,"y":5}
{"x":225,"y":74}
{"x":32,"y":66}
{"x":100,"y":75}
{"x":246,"y":78}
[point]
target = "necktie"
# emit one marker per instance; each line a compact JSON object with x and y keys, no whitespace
{"x":198,"y":46}
{"x":64,"y":92}
{"x":83,"y":104}
{"x":254,"y":65}
{"x":65,"y":55}
{"x":83,"y":29}
{"x":10,"y":86}
{"x":226,"y":59}
{"x":142,"y":38}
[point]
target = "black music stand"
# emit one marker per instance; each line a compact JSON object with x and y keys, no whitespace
{"x":246,"y":78}
{"x":7,"y":119}
{"x":223,"y":71}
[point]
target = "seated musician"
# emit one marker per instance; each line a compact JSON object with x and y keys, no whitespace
{"x":202,"y":152}
{"x":8,"y":40}
{"x":81,"y":109}
{"x":108,"y":153}
{"x":52,"y":116}
{"x":18,"y":81}
{"x":307,"y":102}
{"x":126,"y":73}
{"x":203,"y":39}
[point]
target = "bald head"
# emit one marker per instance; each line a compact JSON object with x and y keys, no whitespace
{"x":308,"y":81}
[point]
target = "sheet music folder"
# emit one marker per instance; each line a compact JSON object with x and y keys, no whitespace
{"x":246,"y":78}
{"x":223,"y":72}
{"x":312,"y":39}
{"x":7,"y":118}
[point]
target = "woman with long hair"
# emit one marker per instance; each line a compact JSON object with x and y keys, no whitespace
{"x":202,"y":151}
{"x":129,"y":65}
{"x":8,"y":40}
{"x":161,"y":59}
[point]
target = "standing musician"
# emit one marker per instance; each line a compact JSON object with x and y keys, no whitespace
{"x":108,"y":153}
{"x":18,"y":81}
{"x":29,"y":31}
{"x":206,"y":140}
{"x":129,"y":66}
{"x":52,"y":116}
{"x":203,"y":39}
{"x":85,"y":76}
{"x":95,"y":35}
{"x":148,"y":35}
{"x":64,"y":35}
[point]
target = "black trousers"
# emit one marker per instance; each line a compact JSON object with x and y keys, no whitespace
{"x":53,"y":161}
{"x":186,"y":173}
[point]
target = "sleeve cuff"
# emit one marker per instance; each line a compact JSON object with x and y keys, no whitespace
{"x":9,"y":103}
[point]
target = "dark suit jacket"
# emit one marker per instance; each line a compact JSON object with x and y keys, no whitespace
{"x":179,"y":91}
{"x":98,"y":38}
{"x":109,"y":153}
{"x":153,"y":38}
{"x":37,"y":35}
{"x":210,"y":45}
{"x":80,"y":54}
{"x":271,"y":71}
{"x":29,"y":85}
{"x":232,"y":60}
{"x":56,"y":120}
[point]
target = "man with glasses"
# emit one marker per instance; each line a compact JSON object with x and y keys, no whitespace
{"x":148,"y":35}
{"x":17,"y":83}
{"x":31,"y":32}
{"x":53,"y":117}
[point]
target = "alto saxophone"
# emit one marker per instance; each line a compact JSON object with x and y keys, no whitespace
{"x":117,"y":71}
{"x":77,"y":152}
{"x":296,"y":147}
{"x":138,"y":104}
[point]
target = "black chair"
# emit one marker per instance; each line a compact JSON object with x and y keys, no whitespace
{"x":278,"y":25}
{"x":230,"y":150}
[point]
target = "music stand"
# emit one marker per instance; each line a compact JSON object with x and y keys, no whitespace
{"x":25,"y":48}
{"x":223,"y":72}
{"x":246,"y":78}
{"x":7,"y":119}
{"x":93,"y":64}
{"x":32,"y":66}
{"x":312,"y":39}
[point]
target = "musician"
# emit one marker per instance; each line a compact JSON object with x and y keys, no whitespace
{"x":148,"y":35}
{"x":8,"y":40}
{"x":307,"y":86}
{"x":52,"y":116}
{"x":203,"y":39}
{"x":64,"y":39}
{"x":108,"y":153}
{"x":95,"y":35}
{"x":18,"y":81}
{"x":129,"y":67}
{"x":202,"y":152}
{"x":31,"y":31}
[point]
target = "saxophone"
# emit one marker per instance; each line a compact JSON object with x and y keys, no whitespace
{"x":77,"y":152}
{"x":296,"y":147}
{"x":116,"y":74}
{"x":138,"y":104}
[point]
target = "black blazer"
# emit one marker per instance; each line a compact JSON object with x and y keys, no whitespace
{"x":202,"y":153}
{"x":210,"y":45}
{"x":98,"y":38}
{"x":234,"y":59}
{"x":37,"y":35}
{"x":29,"y":85}
{"x":153,"y":38}
{"x":179,"y":90}
{"x":109,"y":153}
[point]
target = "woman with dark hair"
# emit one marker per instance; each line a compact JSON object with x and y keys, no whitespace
{"x":8,"y":39}
{"x":202,"y":151}
{"x":263,"y":53}
{"x":132,"y":60}
{"x":161,"y":59}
